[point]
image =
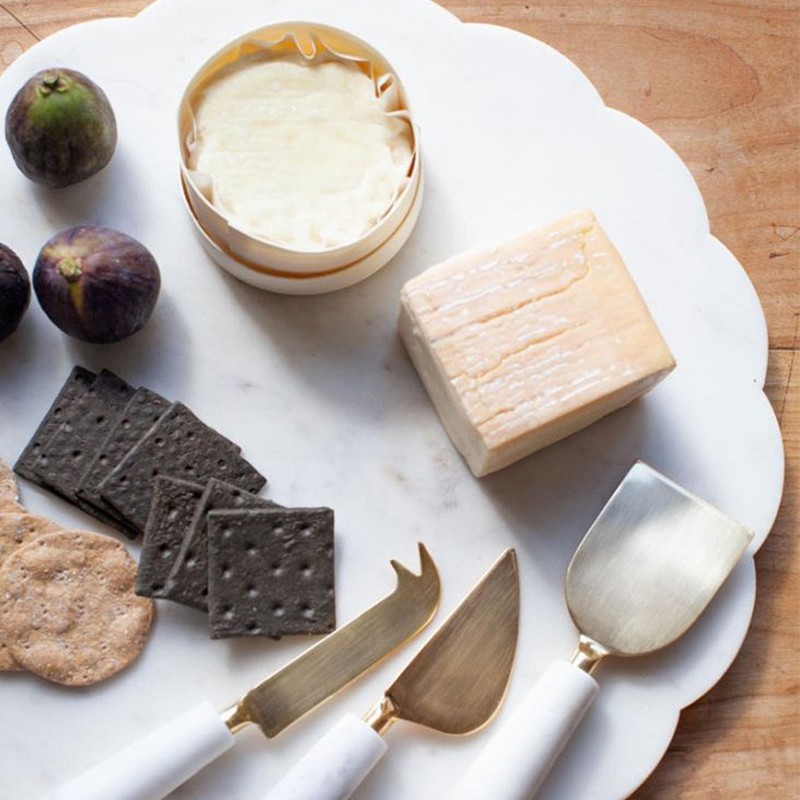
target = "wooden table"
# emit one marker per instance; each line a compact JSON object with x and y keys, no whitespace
{"x":720,"y":81}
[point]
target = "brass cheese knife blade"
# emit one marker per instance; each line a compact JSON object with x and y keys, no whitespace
{"x":455,"y":684}
{"x":344,"y":655}
{"x":154,"y":766}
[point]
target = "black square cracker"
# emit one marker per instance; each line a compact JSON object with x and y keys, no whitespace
{"x":180,"y":445}
{"x":174,"y":504}
{"x":143,"y":410}
{"x":77,"y":382}
{"x":188,"y":581}
{"x":271,"y":572}
{"x":65,"y":456}
{"x":69,"y":451}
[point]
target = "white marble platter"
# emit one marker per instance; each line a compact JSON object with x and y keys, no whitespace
{"x":321,"y":396}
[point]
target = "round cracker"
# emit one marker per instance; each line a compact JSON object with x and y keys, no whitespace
{"x":16,"y":530}
{"x":7,"y":663}
{"x":19,"y":529}
{"x":9,"y":493}
{"x":68,"y":611}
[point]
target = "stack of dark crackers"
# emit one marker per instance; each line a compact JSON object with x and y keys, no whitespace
{"x":256,"y":568}
{"x":103,"y":442}
{"x":144,"y":465}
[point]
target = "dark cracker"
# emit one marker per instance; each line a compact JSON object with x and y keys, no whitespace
{"x":188,"y":581}
{"x":174,"y":505}
{"x":179,"y":444}
{"x":76,"y":384}
{"x":143,"y":410}
{"x":110,"y":519}
{"x":271,"y":572}
{"x":66,"y":455}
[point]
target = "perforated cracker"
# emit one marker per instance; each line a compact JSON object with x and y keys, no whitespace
{"x":15,"y":531}
{"x":171,"y":513}
{"x":67,"y":454}
{"x":9,"y":493}
{"x":188,"y":580}
{"x":67,"y":607}
{"x":271,"y":572}
{"x":76,"y":384}
{"x":182,"y":446}
{"x":142,"y":411}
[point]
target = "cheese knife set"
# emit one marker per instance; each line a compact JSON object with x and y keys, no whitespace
{"x":647,"y":568}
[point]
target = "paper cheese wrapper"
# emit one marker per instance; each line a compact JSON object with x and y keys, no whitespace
{"x":315,"y":44}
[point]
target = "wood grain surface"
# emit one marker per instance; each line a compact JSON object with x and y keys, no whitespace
{"x":720,"y":81}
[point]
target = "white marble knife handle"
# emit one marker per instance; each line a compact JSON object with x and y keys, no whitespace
{"x":336,"y":765}
{"x":152,"y":767}
{"x":519,"y":756}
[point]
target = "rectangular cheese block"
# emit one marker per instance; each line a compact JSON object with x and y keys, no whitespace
{"x":523,"y":343}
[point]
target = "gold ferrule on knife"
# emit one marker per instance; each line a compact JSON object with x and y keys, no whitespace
{"x":381,"y":716}
{"x":236,"y":717}
{"x":588,"y":654}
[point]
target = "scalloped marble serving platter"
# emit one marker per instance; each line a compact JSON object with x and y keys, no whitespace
{"x":319,"y":391}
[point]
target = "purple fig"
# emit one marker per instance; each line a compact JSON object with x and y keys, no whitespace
{"x":96,"y":284}
{"x":61,"y":128}
{"x":15,"y":291}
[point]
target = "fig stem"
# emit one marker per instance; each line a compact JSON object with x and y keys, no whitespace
{"x":51,"y":82}
{"x":70,"y":268}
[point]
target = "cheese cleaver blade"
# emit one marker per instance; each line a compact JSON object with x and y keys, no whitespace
{"x":152,"y":767}
{"x":648,"y":567}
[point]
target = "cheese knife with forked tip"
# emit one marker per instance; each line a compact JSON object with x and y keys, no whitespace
{"x":152,"y":767}
{"x":455,"y":685}
{"x":645,"y":571}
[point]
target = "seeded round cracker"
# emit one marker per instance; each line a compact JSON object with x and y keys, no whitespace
{"x":7,"y":663}
{"x":9,"y":494}
{"x":68,"y":610}
{"x":15,"y":531}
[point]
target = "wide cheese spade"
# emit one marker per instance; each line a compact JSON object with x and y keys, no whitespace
{"x":645,"y":571}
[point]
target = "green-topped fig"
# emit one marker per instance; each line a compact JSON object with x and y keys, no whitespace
{"x":61,"y":128}
{"x":15,"y":291}
{"x":96,"y":284}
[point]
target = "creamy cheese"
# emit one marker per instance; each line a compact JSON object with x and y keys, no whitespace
{"x":300,"y":154}
{"x":522,"y":344}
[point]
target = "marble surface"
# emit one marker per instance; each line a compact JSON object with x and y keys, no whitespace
{"x":322,"y":398}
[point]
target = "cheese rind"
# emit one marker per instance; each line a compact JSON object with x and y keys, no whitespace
{"x":524,"y":343}
{"x":300,"y":154}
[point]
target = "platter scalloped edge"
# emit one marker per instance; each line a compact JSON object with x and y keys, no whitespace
{"x":741,"y":325}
